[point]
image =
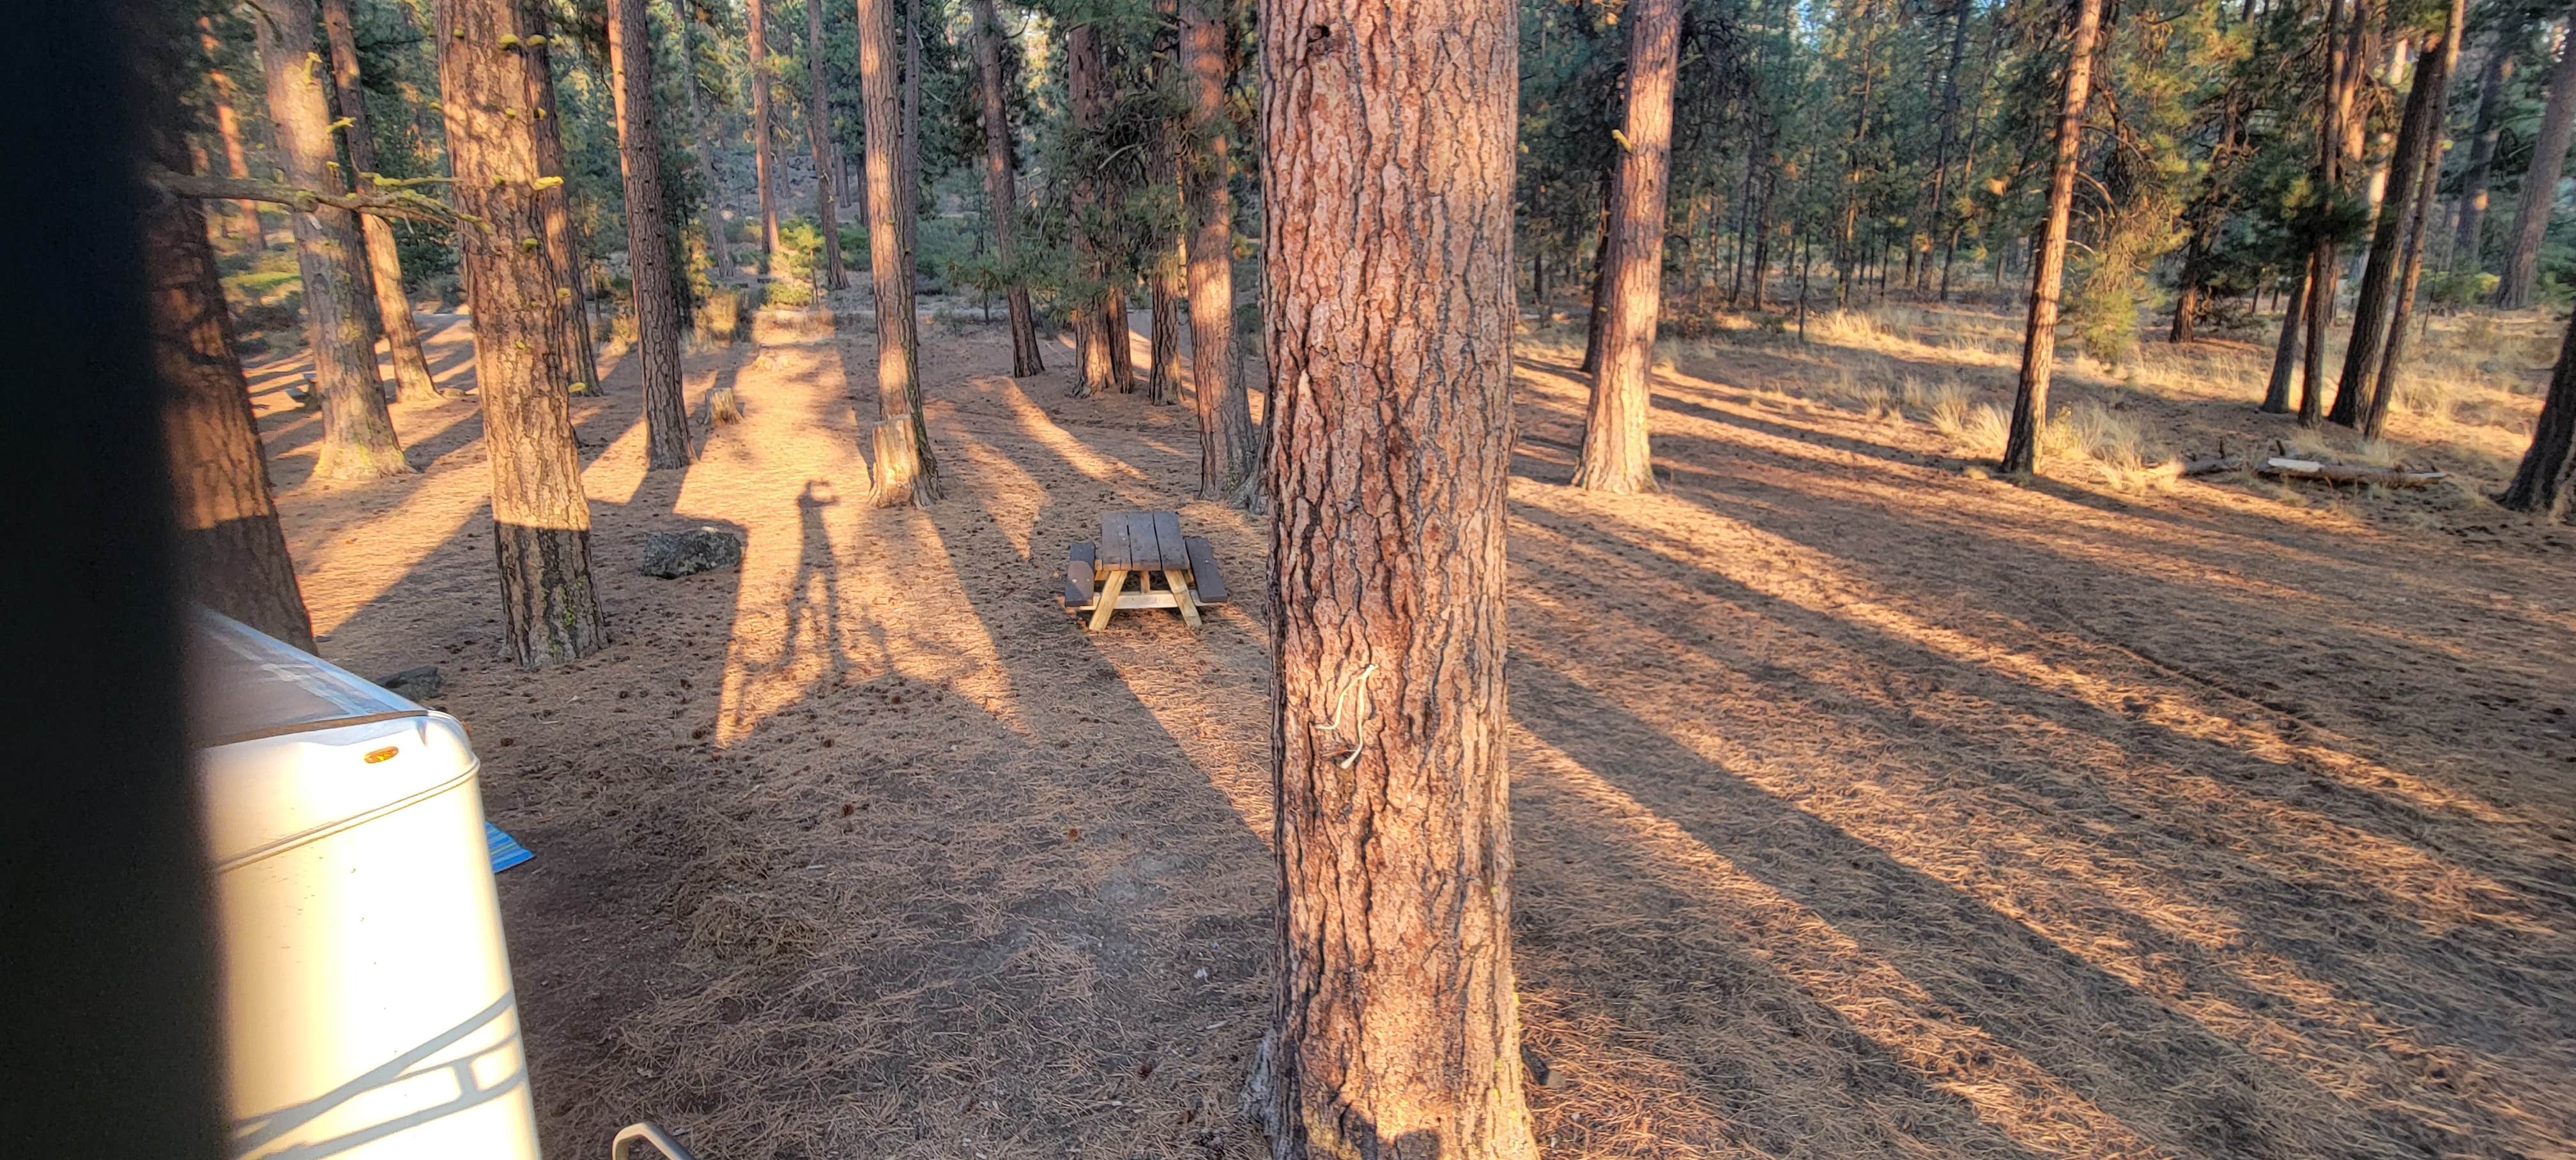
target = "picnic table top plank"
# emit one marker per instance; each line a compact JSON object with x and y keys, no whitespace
{"x":1117,"y":547}
{"x":1174,"y":554}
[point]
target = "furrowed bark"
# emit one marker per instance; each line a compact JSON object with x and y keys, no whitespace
{"x":412,"y":383}
{"x":540,"y":516}
{"x":648,"y":235}
{"x":1616,"y":456}
{"x":1229,"y":448}
{"x":904,"y":472}
{"x":1001,"y":190}
{"x":358,"y":439}
{"x":1389,"y":124}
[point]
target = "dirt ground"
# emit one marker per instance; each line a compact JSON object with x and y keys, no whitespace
{"x":1864,"y":806}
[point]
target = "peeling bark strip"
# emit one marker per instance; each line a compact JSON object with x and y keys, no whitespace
{"x":357,"y":433}
{"x":1388,"y":127}
{"x":648,"y":235}
{"x":540,"y":517}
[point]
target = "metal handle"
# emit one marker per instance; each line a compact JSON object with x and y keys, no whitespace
{"x":650,"y":1133}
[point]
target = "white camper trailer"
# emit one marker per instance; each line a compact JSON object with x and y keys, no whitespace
{"x":368,"y":1012}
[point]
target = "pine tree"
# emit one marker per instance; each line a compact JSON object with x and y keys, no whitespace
{"x":1616,"y":457}
{"x":1001,"y":189}
{"x":1229,"y":447}
{"x":412,"y":383}
{"x":2048,"y":267}
{"x":2540,"y":182}
{"x":905,"y":473}
{"x":648,"y":234}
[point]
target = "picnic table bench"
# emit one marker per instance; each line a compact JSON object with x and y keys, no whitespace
{"x":1139,"y":546}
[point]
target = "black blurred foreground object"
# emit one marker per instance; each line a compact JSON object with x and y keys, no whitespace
{"x":107,"y":1045}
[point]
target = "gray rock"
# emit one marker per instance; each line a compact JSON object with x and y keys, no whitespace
{"x":671,"y":555}
{"x":418,"y":684}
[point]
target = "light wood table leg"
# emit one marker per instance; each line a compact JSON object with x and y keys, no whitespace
{"x":1182,"y":597}
{"x":1107,"y":601}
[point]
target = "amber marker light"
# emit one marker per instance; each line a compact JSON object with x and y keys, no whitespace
{"x":385,"y":754}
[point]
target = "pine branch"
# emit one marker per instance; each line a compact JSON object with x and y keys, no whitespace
{"x":394,"y":200}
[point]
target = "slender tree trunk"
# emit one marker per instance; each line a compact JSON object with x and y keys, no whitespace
{"x":1762,"y":240}
{"x":2323,"y":274}
{"x":1389,"y":126}
{"x":540,"y":516}
{"x":358,"y":439}
{"x":2374,"y":418}
{"x":2285,"y":356}
{"x":412,"y":383}
{"x":2039,"y":339}
{"x":2539,"y":193}
{"x":912,"y":104}
{"x":219,"y":88}
{"x":1960,"y":11}
{"x":2468,"y":237}
{"x":1847,"y":255}
{"x":719,"y":247}
{"x":648,"y":234}
{"x":905,"y":473}
{"x":1229,"y":447}
{"x":1001,"y":190}
{"x":231,"y":554}
{"x":2419,"y":137}
{"x":2540,"y":485}
{"x":1605,"y":256}
{"x":579,"y":365}
{"x":1100,"y":331}
{"x":818,"y":134}
{"x":764,"y":165}
{"x":1616,"y":455}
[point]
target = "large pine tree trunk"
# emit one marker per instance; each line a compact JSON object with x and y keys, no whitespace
{"x":1229,"y":448}
{"x":1389,"y":125}
{"x":719,"y":248}
{"x":1163,"y":372}
{"x":412,"y":383}
{"x":818,"y":133}
{"x":2540,"y":183}
{"x":540,"y":517}
{"x":2419,"y":137}
{"x":1001,"y":189}
{"x":357,"y":432}
{"x":648,"y":234}
{"x":1605,"y":257}
{"x":764,"y":163}
{"x":1616,"y":455}
{"x":905,"y":473}
{"x":231,"y":554}
{"x":1100,"y":331}
{"x":2540,"y":484}
{"x":219,"y":89}
{"x":2468,"y":235}
{"x":2048,"y":267}
{"x":579,"y":366}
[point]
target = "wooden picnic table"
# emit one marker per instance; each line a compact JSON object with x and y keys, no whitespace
{"x":1137,"y":547}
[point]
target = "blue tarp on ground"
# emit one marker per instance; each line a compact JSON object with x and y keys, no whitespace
{"x":506,"y":850}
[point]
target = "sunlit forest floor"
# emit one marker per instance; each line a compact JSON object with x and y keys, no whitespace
{"x":1865,"y":805}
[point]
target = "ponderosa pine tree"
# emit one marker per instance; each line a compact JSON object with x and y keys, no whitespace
{"x":763,"y":150}
{"x":2469,"y":232}
{"x":1389,"y":125}
{"x":905,"y":474}
{"x":1100,"y":326}
{"x":540,"y":515}
{"x":703,"y":127}
{"x":648,"y":234}
{"x":579,"y":366}
{"x":2392,"y":362}
{"x":2540,"y":484}
{"x":231,"y":554}
{"x":1001,"y":189}
{"x":2539,"y":193}
{"x":1229,"y":446}
{"x":1616,"y":456}
{"x":818,"y":134}
{"x":219,"y":90}
{"x":358,"y":439}
{"x":412,"y":383}
{"x":2048,"y":265}
{"x":2418,"y":142}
